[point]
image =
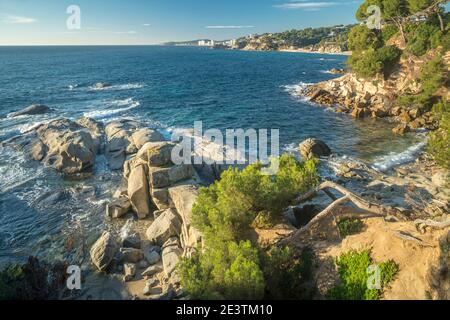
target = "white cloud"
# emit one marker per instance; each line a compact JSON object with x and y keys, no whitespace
{"x":19,"y":20}
{"x":228,"y":27}
{"x":146,"y":25}
{"x":305,"y":5}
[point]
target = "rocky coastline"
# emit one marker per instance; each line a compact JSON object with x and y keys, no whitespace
{"x":153,"y":204}
{"x":376,"y":98}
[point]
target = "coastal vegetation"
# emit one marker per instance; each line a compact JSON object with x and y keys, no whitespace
{"x":349,"y":226}
{"x":231,"y":266}
{"x":353,"y":272}
{"x":335,"y":36}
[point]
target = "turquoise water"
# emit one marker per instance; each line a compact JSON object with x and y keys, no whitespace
{"x":164,"y":87}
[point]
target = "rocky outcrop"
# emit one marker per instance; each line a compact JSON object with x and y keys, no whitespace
{"x":377,"y":97}
{"x":311,"y":148}
{"x":62,"y":144}
{"x":103,"y":251}
{"x":34,"y":109}
{"x":166,"y":225}
{"x":138,"y":192}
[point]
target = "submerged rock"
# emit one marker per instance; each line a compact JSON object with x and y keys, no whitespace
{"x":314,"y":148}
{"x":103,"y":251}
{"x":101,"y":85}
{"x":31,"y":110}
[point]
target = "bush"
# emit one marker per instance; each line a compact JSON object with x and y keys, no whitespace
{"x":361,"y":37}
{"x":228,"y":267}
{"x":370,"y":62}
{"x":353,"y":272}
{"x":227,"y":270}
{"x":388,"y":32}
{"x":229,"y":206}
{"x":365,"y":63}
{"x":423,"y":37}
{"x":349,"y":226}
{"x":432,"y":77}
{"x":439,"y":141}
{"x":11,"y":282}
{"x":288,"y":276}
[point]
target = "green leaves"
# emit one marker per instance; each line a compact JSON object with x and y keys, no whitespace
{"x":229,"y":266}
{"x":353,"y":272}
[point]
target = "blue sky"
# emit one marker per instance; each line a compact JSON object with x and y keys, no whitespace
{"x":37,"y":22}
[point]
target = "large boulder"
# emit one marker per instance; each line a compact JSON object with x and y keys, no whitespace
{"x":118,"y":207}
{"x":138,"y":191}
{"x":314,"y":148}
{"x":166,"y":225}
{"x":119,"y":142}
{"x":183,"y":197}
{"x":142,"y":136}
{"x":103,"y":251}
{"x":31,"y":110}
{"x":156,"y":154}
{"x":171,"y":253}
{"x":95,"y":129}
{"x":167,"y":176}
{"x":70,"y":147}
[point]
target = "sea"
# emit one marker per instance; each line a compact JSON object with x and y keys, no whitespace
{"x":162,"y":87}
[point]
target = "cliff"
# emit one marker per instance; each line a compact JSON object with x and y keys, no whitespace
{"x":377,"y":97}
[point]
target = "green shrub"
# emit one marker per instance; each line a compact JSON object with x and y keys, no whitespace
{"x":228,"y":267}
{"x":227,"y":270}
{"x":229,"y":206}
{"x":361,"y":37}
{"x":288,"y":276}
{"x":439,"y":140}
{"x":353,"y":272}
{"x":388,"y":32}
{"x":370,"y":62}
{"x":432,"y":77}
{"x":423,"y":37}
{"x":11,"y":282}
{"x":349,"y":226}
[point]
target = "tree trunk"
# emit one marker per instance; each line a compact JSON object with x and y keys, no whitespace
{"x":441,"y":21}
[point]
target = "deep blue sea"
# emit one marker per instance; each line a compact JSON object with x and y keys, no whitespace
{"x":167,"y":88}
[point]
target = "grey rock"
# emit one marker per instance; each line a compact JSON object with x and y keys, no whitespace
{"x":31,"y":110}
{"x":314,"y":148}
{"x":103,"y":251}
{"x":167,"y":224}
{"x":152,"y":270}
{"x":131,"y":255}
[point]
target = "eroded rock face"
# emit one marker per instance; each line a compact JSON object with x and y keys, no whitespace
{"x":166,"y":225}
{"x":95,"y":129}
{"x":119,"y":142}
{"x":183,"y":197}
{"x":314,"y":148}
{"x":31,"y":110}
{"x":166,"y":176}
{"x":138,"y":192}
{"x":70,"y":147}
{"x":103,"y":251}
{"x":145,"y":135}
{"x":171,"y":253}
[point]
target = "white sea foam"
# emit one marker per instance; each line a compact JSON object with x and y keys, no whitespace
{"x":296,"y":89}
{"x":118,"y":87}
{"x":386,"y":162}
{"x":125,"y":105}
